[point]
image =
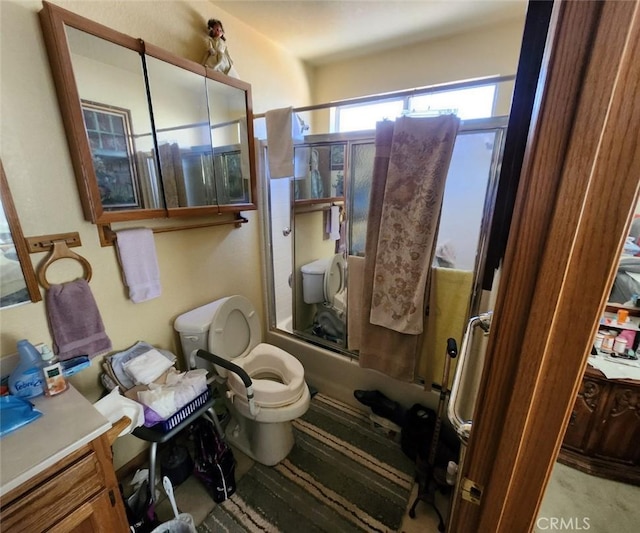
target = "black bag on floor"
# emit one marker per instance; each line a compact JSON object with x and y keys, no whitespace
{"x":417,"y":431}
{"x":214,"y":464}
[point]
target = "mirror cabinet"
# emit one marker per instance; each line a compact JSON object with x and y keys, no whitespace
{"x":151,"y":134}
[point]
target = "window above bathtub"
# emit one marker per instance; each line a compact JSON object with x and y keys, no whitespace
{"x":468,"y":100}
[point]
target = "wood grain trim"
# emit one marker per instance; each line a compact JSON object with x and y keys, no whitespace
{"x":559,"y":264}
{"x":569,"y":307}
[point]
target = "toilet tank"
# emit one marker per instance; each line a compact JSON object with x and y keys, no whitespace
{"x":313,"y":281}
{"x":193,"y":328}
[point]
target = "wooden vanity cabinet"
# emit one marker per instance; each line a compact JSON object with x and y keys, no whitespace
{"x":78,"y":494}
{"x":603,"y":434}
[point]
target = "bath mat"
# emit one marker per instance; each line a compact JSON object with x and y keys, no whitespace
{"x":342,"y":475}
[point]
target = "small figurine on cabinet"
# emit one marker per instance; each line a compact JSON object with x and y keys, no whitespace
{"x":217,"y":55}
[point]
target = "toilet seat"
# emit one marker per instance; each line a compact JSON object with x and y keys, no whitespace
{"x":277,"y":376}
{"x":234,"y":334}
{"x":334,"y":280}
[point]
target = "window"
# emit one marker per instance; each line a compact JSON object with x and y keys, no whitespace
{"x":474,"y":102}
{"x":467,"y":103}
{"x":364,"y":116}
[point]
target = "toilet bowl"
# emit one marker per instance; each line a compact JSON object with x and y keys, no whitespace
{"x":230,"y":328}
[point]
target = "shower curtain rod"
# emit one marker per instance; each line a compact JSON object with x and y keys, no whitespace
{"x":402,"y":94}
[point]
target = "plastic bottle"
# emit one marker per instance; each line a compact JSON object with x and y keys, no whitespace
{"x":54,"y":380}
{"x":26,"y":380}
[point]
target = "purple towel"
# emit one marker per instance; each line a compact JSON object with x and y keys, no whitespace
{"x":74,"y":320}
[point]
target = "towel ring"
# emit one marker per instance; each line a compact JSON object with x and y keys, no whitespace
{"x":60,"y":250}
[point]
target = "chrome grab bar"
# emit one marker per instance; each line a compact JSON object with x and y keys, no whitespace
{"x":463,"y":427}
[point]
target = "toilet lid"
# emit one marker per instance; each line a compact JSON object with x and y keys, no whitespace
{"x":235,"y":328}
{"x":334,"y":278}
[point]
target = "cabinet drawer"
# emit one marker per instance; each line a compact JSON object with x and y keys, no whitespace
{"x":56,"y":497}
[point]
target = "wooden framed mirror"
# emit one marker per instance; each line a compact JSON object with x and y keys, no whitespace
{"x":18,"y":282}
{"x":140,"y":127}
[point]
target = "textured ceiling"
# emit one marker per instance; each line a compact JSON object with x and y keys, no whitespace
{"x":322,"y":31}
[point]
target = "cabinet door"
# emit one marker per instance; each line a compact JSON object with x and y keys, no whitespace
{"x":583,"y":414}
{"x":100,"y":82}
{"x":619,"y":429}
{"x":231,"y":127}
{"x":95,"y":516}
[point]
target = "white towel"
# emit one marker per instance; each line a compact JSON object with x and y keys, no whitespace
{"x":137,"y":253}
{"x":334,"y":224}
{"x":280,"y":142}
{"x":147,"y":367}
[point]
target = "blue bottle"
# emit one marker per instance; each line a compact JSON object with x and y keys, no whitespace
{"x":27,"y":381}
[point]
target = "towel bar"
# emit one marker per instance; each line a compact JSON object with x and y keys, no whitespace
{"x":108,"y":236}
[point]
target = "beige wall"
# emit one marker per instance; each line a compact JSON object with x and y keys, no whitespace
{"x":488,"y":51}
{"x":196,"y":266}
{"x":200,"y":265}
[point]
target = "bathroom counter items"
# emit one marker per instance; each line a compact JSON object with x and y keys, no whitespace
{"x":604,"y":429}
{"x":57,"y":473}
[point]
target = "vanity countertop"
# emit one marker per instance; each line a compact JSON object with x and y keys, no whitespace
{"x":68,"y":422}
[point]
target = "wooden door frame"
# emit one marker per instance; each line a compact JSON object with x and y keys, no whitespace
{"x":578,"y":186}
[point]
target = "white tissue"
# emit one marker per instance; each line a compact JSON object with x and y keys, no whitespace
{"x":114,"y":406}
{"x":161,"y":400}
{"x":179,"y":389}
{"x":147,"y":367}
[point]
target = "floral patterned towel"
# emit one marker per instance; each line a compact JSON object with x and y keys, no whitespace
{"x":419,"y":161}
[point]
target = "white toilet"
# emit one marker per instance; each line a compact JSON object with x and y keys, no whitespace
{"x":323,"y":283}
{"x":322,"y":280}
{"x":230,"y":328}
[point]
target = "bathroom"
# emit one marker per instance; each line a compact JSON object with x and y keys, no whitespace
{"x":217,"y":261}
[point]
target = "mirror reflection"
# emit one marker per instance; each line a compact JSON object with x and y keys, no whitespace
{"x":230,"y":142}
{"x":319,"y":171}
{"x":626,"y":284}
{"x":181,"y":119}
{"x":313,"y":291}
{"x":12,"y":283}
{"x":17,"y":278}
{"x":117,"y":121}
